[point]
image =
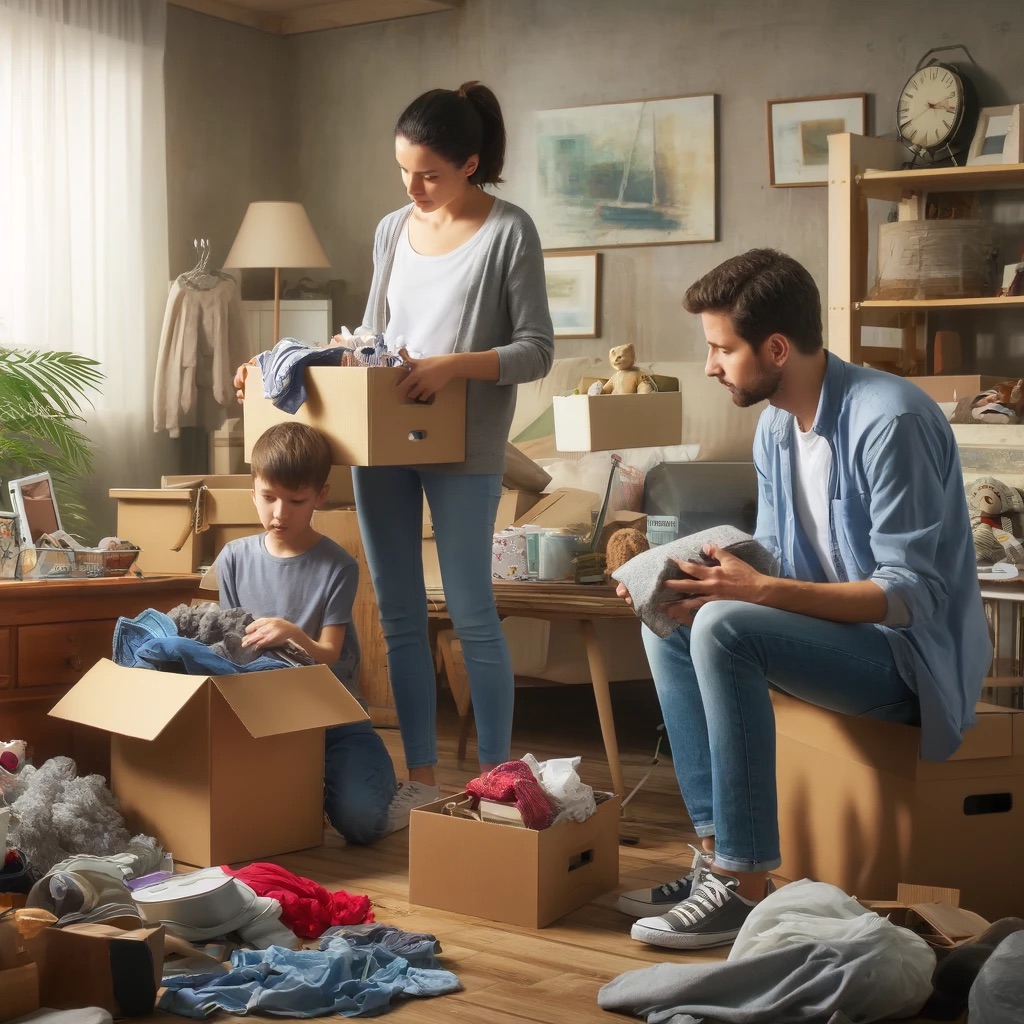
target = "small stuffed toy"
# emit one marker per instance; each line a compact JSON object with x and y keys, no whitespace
{"x":628,"y":378}
{"x":995,"y":511}
{"x":623,"y":545}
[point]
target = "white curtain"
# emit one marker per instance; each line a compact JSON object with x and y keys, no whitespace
{"x":83,"y":208}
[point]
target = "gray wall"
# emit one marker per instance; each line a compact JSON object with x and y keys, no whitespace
{"x":310,"y":117}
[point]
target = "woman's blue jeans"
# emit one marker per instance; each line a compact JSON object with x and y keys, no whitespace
{"x":389,"y":500}
{"x":713,"y":680}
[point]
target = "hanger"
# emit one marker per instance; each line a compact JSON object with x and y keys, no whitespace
{"x":199,"y":278}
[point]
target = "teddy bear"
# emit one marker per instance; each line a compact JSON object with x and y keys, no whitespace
{"x":995,"y":511}
{"x":628,"y":378}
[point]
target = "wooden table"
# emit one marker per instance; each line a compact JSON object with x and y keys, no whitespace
{"x":51,"y":633}
{"x":584,"y":604}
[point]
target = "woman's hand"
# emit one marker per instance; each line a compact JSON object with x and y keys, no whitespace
{"x":239,"y":381}
{"x":425,"y":377}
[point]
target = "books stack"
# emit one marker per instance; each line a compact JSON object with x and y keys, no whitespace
{"x":500,"y":813}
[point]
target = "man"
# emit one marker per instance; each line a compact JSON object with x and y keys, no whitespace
{"x":877,"y":611}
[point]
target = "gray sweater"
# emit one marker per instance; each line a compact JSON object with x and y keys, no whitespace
{"x":506,"y":309}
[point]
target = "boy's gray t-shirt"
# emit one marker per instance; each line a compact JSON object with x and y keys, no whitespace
{"x":313,"y":590}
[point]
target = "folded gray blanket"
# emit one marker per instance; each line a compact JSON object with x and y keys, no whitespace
{"x":645,"y":575}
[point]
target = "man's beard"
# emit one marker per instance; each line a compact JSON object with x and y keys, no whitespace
{"x":764,"y":388}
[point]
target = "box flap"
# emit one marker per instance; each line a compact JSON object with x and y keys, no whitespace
{"x":567,"y":506}
{"x":137,"y":702}
{"x":184,"y":496}
{"x":289,"y":700}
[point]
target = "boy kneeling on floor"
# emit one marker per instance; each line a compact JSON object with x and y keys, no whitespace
{"x":300,"y":585}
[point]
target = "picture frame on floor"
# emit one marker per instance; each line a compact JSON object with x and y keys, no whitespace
{"x":574,"y":293}
{"x":798,"y":131}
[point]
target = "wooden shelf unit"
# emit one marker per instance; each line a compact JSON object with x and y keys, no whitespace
{"x":863,"y":169}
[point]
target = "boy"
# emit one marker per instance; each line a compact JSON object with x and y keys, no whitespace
{"x":300,"y":586}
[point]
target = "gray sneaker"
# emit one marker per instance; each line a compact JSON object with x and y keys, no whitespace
{"x":645,"y":902}
{"x":409,"y":796}
{"x":712,"y":915}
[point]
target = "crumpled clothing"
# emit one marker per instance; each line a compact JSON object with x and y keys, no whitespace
{"x":131,"y":634}
{"x":221,"y":629}
{"x":350,"y":980}
{"x":190,"y":657}
{"x":411,"y":945}
{"x":514,"y":783}
{"x":307,"y":908}
{"x":284,"y":381}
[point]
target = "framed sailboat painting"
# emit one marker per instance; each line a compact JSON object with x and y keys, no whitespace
{"x":636,"y":173}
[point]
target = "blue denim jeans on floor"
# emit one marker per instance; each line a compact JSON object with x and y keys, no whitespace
{"x":389,"y":500}
{"x":359,"y":782}
{"x":713,"y":681}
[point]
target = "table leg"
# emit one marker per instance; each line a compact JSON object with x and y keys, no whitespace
{"x":603,"y":699}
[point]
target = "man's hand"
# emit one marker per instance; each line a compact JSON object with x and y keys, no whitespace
{"x":730,"y":580}
{"x":621,"y":591}
{"x":425,"y":377}
{"x":682,"y":611}
{"x":239,"y":382}
{"x":266,"y":633}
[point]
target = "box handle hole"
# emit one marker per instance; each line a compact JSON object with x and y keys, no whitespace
{"x":417,"y":435}
{"x":988,"y":803}
{"x":419,"y":401}
{"x":581,"y":860}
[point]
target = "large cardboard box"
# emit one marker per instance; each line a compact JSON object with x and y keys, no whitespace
{"x":595,"y":423}
{"x":513,"y":875}
{"x":221,"y":769}
{"x":364,"y":418}
{"x":954,"y":387}
{"x":860,"y":809}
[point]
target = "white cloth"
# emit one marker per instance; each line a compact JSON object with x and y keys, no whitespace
{"x":427,"y":294}
{"x":812,"y":466}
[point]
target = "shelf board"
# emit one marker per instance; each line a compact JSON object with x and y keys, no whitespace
{"x":984,"y":302}
{"x":988,"y":177}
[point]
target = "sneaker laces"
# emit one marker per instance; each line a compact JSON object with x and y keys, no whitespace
{"x":700,"y":861}
{"x":406,"y":794}
{"x":709,"y":895}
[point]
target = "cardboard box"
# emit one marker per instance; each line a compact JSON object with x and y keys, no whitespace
{"x":595,"y":423}
{"x":364,"y":418}
{"x":100,"y":965}
{"x":221,"y":769}
{"x":511,"y":505}
{"x":954,"y":387}
{"x":19,"y":991}
{"x":933,"y":912}
{"x":621,"y":520}
{"x":858,"y":807}
{"x":568,"y":506}
{"x":508,"y":874}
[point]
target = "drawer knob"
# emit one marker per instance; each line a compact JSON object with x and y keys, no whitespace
{"x":75,"y":663}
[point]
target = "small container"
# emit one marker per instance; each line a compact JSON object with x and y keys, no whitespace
{"x":74,"y":563}
{"x":556,"y":555}
{"x":9,"y":545}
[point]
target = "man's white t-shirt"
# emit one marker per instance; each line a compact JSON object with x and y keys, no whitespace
{"x":426,"y":294}
{"x":812,"y":469}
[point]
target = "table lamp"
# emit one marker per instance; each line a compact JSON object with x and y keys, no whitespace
{"x":276,"y":235}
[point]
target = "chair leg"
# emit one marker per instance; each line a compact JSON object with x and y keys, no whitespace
{"x":449,"y":655}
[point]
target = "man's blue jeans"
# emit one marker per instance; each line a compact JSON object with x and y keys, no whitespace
{"x":713,"y":680}
{"x":463,"y":507}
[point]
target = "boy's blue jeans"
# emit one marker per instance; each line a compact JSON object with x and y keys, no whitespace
{"x":713,"y":680}
{"x":389,"y":500}
{"x":359,"y":782}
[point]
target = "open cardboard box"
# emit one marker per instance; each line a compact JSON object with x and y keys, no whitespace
{"x":596,"y":423}
{"x":933,"y":912}
{"x":514,"y":875}
{"x":858,"y":808}
{"x":954,"y":387}
{"x":221,"y":769}
{"x":364,"y":418}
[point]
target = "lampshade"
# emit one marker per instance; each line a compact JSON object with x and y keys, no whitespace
{"x":276,"y":235}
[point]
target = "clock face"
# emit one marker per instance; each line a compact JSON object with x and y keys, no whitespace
{"x":931,"y":107}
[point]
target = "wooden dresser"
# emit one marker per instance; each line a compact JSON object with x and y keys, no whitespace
{"x":51,"y":633}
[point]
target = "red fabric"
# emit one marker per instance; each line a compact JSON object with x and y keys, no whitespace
{"x":514,"y":783}
{"x":307,"y":908}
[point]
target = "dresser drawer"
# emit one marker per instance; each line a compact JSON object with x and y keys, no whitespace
{"x":60,"y":654}
{"x":6,"y":658}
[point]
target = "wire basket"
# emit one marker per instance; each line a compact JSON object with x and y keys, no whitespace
{"x":74,"y":563}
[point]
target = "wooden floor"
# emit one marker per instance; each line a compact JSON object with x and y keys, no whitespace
{"x":511,"y":975}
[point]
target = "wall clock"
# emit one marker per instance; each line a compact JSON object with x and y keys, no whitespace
{"x":937,"y":109}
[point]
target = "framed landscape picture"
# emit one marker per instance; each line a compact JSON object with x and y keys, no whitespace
{"x":574,"y":293}
{"x":638,"y":173}
{"x":798,"y":132}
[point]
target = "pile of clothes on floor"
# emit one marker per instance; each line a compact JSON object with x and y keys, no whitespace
{"x":98,"y":922}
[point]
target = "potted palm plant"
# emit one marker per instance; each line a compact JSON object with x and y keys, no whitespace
{"x":41,"y":399}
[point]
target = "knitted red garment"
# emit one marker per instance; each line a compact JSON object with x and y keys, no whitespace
{"x":307,"y":908}
{"x":514,"y":783}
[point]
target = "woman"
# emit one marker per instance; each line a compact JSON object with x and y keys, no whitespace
{"x":459,"y":275}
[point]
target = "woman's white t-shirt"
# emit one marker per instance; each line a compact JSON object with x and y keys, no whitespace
{"x":427,"y":294}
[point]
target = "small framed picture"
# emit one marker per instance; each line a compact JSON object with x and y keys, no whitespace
{"x":798,"y":131}
{"x":998,"y":138}
{"x":1013,"y":279}
{"x":574,"y":293}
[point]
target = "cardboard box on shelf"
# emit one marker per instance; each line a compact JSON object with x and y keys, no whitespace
{"x":454,"y":862}
{"x":339,"y":483}
{"x":859,"y":808}
{"x":185,"y":751}
{"x":364,"y":418}
{"x":596,"y":423}
{"x":954,"y":387}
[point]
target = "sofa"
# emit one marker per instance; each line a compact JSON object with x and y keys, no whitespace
{"x":713,"y":430}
